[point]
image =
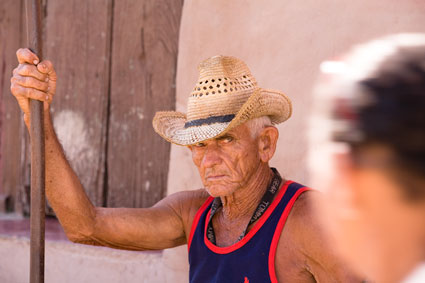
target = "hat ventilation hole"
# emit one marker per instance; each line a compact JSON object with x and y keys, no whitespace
{"x":221,"y":85}
{"x":225,"y":86}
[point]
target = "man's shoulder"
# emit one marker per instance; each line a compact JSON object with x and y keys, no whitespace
{"x":303,"y":212}
{"x":191,"y":198}
{"x":303,"y":208}
{"x":305,"y":241}
{"x":302,"y":222}
{"x":187,"y":203}
{"x":293,"y":249}
{"x":304,"y":227}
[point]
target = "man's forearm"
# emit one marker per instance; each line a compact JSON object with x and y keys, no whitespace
{"x":64,"y":191}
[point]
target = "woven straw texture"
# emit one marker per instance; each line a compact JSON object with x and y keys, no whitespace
{"x":225,"y":87}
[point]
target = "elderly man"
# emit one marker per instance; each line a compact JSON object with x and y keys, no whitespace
{"x":247,"y":225}
{"x":369,"y":156}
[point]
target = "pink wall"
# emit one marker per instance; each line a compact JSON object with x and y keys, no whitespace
{"x":283,"y":43}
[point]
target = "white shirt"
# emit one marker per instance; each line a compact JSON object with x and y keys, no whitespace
{"x":417,"y":275}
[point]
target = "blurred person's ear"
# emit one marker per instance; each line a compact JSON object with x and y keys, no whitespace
{"x":347,"y":196}
{"x":365,"y":191}
{"x":366,"y":184}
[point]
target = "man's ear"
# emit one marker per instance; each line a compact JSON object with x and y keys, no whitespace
{"x":267,"y":141}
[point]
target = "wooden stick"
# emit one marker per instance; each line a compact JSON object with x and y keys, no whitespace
{"x":34,"y":36}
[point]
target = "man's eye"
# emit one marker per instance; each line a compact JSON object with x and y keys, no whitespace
{"x":200,"y":144}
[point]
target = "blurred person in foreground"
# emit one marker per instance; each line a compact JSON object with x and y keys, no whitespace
{"x":248,"y":224}
{"x":368,"y":156}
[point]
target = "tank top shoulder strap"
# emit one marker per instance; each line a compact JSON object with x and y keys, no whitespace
{"x":195,"y":222}
{"x":293,"y":191}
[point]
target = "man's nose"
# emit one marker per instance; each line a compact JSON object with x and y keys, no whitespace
{"x":211,"y":156}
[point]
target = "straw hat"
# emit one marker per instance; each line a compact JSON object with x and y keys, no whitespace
{"x":225,"y":96}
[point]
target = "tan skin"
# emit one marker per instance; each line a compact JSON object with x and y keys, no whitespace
{"x":384,"y":241}
{"x":233,"y":167}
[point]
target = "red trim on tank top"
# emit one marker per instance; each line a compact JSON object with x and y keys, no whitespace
{"x":196,"y":219}
{"x":251,"y":233}
{"x":278,"y":232}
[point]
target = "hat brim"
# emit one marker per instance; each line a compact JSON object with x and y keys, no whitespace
{"x":263,"y":102}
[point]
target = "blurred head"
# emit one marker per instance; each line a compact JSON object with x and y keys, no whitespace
{"x":230,"y":162}
{"x":368,"y":154}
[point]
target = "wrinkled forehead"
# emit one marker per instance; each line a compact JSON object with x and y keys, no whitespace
{"x":241,"y":131}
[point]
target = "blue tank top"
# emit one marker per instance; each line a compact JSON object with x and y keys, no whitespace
{"x":252,"y":258}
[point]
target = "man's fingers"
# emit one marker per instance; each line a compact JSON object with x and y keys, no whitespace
{"x":30,"y":93}
{"x":31,"y":83}
{"x":27,"y":70}
{"x":32,"y":79}
{"x":46,"y":67}
{"x":25,"y":55}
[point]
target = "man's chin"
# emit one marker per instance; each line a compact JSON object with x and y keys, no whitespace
{"x":216,"y":190}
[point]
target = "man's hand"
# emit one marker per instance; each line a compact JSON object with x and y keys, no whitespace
{"x":32,"y":79}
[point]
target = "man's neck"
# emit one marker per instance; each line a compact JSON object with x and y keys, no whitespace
{"x":244,"y":201}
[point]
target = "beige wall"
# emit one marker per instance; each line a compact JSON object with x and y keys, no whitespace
{"x":283,"y":43}
{"x":67,"y":262}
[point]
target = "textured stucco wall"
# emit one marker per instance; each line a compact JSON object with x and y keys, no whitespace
{"x":68,"y":262}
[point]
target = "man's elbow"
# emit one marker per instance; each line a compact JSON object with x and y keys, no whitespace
{"x":75,"y":237}
{"x":79,"y":238}
{"x":81,"y":235}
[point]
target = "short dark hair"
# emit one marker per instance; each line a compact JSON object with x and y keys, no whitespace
{"x":387,"y":106}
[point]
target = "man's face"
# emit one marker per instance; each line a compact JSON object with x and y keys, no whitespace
{"x":364,"y":212}
{"x":227,"y":163}
{"x":360,"y":205}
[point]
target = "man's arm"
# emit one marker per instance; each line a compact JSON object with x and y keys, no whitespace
{"x":162,"y":226}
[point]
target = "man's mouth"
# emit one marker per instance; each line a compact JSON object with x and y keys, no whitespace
{"x":214,"y":177}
